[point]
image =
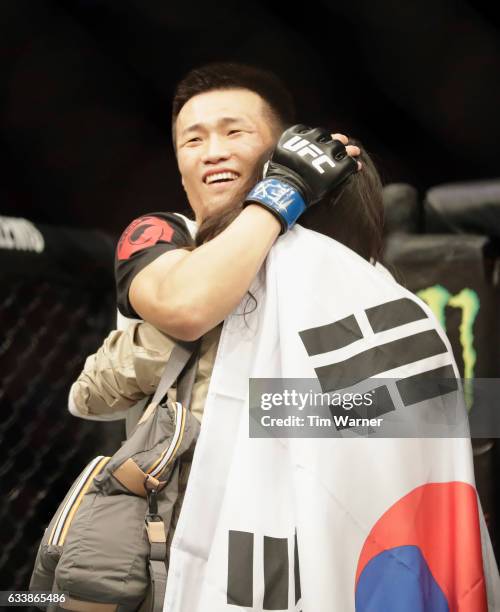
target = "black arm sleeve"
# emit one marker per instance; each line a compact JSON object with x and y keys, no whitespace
{"x":145,"y":239}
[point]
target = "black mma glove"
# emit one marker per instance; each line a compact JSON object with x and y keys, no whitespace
{"x":306,"y":165}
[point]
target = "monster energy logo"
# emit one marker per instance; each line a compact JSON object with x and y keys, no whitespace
{"x":438,"y":298}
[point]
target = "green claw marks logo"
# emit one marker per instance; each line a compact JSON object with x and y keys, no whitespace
{"x":438,"y":297}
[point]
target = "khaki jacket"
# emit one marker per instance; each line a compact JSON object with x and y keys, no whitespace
{"x":128,"y":367}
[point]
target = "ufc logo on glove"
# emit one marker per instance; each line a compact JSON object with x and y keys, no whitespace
{"x":303,"y":147}
{"x":304,"y":182}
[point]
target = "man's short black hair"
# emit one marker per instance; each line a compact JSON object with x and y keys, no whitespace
{"x":229,"y":75}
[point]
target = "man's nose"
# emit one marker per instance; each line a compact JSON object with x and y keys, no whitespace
{"x":216,"y":149}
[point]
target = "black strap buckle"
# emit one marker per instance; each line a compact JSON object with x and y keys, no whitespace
{"x":152,"y":497}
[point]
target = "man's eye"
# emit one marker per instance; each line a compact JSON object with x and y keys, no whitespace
{"x":195,"y":139}
{"x":234,"y":132}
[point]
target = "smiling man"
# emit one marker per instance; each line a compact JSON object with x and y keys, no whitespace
{"x":226,"y":121}
{"x":184,"y":277}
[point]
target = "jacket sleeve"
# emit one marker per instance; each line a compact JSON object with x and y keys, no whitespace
{"x":126,"y":369}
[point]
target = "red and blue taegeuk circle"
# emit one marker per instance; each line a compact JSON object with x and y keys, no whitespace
{"x":424,"y":554}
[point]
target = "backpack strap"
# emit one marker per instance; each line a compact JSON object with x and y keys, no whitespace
{"x":185,"y":382}
{"x":157,"y":555}
{"x":181,"y":366}
{"x":174,"y":370}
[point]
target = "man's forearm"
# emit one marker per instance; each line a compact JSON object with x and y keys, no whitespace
{"x":212,"y":279}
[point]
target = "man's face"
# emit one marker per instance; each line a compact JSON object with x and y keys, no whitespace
{"x":223,"y":137}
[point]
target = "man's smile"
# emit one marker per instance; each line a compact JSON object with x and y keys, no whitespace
{"x":221,"y":175}
{"x":221,"y":181}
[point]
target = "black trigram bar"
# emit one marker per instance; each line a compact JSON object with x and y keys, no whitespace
{"x":276,"y":570}
{"x":240,"y":569}
{"x":379,"y":359}
{"x":331,"y":337}
{"x":393,"y":314}
{"x":427,"y":385}
{"x":296,"y":570}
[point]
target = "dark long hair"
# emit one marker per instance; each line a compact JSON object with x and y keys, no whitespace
{"x":354,"y":213}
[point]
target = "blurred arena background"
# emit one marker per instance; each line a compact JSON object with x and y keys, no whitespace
{"x":86,"y":147}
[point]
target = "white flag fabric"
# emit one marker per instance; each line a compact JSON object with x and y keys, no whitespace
{"x":339,"y":523}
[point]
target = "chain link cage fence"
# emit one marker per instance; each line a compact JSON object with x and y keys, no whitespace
{"x":57,"y":303}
